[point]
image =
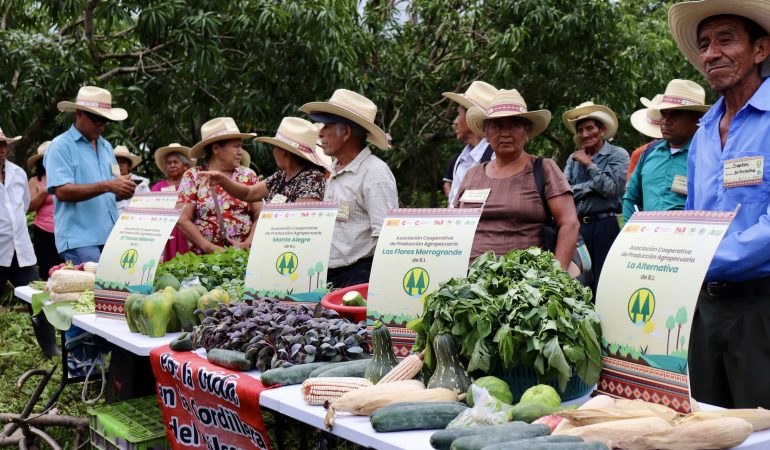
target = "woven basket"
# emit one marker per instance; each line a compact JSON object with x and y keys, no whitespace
{"x":520,"y":378}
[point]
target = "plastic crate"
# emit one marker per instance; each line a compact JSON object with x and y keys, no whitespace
{"x":135,"y":424}
{"x":521,"y":378}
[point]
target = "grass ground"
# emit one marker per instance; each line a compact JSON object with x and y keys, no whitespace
{"x":19,"y":353}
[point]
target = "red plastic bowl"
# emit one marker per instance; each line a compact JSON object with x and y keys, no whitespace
{"x":333,"y":300}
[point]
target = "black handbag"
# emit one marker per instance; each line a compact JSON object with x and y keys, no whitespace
{"x":549,"y":233}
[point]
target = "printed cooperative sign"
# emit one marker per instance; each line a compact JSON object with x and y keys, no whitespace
{"x":417,"y":249}
{"x":206,"y":406}
{"x":290,"y":251}
{"x":131,"y":256}
{"x":646,"y":299}
{"x":150,"y":200}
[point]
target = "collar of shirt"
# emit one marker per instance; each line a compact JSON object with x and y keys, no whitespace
{"x":477,"y":152}
{"x":75,"y":134}
{"x":760,"y":100}
{"x":664,"y":145}
{"x":355,"y":164}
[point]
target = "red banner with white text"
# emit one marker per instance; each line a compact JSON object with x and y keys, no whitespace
{"x":207,"y":406}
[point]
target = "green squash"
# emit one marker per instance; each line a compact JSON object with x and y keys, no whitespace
{"x":185,"y":304}
{"x":166,"y":280}
{"x":131,"y":319}
{"x":449,"y":373}
{"x":157,"y":310}
{"x":383,"y":357}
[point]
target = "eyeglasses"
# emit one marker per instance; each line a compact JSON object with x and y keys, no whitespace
{"x":97,"y":119}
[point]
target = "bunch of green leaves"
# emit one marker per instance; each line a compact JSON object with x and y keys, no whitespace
{"x":212,"y":270}
{"x":517,"y":309}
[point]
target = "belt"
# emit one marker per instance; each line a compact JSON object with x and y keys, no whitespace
{"x":591,"y":218}
{"x":758,"y":287}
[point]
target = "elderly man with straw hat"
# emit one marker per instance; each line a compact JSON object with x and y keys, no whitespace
{"x":127,"y":161}
{"x":84,"y":177}
{"x":477,"y":150}
{"x":360,"y":181}
{"x":728,"y":42}
{"x":659,"y":181}
{"x":597,"y":174}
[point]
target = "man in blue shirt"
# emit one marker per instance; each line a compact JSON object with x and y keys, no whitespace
{"x":84,"y":178}
{"x":659,"y":181}
{"x":729,"y":354}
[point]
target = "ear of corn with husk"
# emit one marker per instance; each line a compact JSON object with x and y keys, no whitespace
{"x":365,"y":401}
{"x":615,"y":433}
{"x":407,"y":369}
{"x":718,"y":433}
{"x":319,"y":390}
{"x":759,"y":418}
{"x":583,"y":417}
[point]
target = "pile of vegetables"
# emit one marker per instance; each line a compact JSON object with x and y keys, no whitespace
{"x":517,"y":309}
{"x":273,"y":334}
{"x":217,"y":269}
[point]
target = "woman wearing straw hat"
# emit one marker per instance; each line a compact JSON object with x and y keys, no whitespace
{"x":514,"y":213}
{"x":212,"y":218}
{"x":173,"y":160}
{"x":41,"y":203}
{"x":301,"y":165}
{"x":127,"y":161}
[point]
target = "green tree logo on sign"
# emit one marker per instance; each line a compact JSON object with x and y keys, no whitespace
{"x":641,"y":306}
{"x":287,"y":263}
{"x":416,"y":282}
{"x":128,"y":259}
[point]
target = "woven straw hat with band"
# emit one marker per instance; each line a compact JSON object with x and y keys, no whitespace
{"x":508,"y":103}
{"x":218,"y":129}
{"x":299,"y":137}
{"x":162,"y":152}
{"x":96,"y":101}
{"x":121,"y":151}
{"x":589,"y":110}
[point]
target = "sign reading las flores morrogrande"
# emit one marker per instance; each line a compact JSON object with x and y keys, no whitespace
{"x":417,"y":249}
{"x":131,"y":256}
{"x":646,"y":299}
{"x":290,"y":251}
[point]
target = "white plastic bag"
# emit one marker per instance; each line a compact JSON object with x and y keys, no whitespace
{"x":486,"y":410}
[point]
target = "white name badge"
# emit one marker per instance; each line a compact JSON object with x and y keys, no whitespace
{"x":115,"y":170}
{"x":168,"y":189}
{"x":279,"y":198}
{"x":475,"y":195}
{"x":744,"y":171}
{"x":679,"y":185}
{"x":343,"y":214}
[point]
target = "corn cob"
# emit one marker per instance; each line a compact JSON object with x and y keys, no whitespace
{"x":600,"y":401}
{"x":316,"y":391}
{"x":407,"y":369}
{"x":725,"y":432}
{"x":758,"y":418}
{"x":618,"y":433}
{"x":664,"y":412}
{"x":582,"y":417}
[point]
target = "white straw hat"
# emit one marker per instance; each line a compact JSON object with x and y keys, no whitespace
{"x":478,"y":94}
{"x":39,"y":155}
{"x":94,"y":100}
{"x":162,"y":152}
{"x":6,"y":139}
{"x":647,"y":120}
{"x":299,"y":137}
{"x":684,"y":19}
{"x":680,"y":94}
{"x":121,"y":151}
{"x":355,"y":108}
{"x":508,"y":103}
{"x":589,"y":110}
{"x":218,"y":129}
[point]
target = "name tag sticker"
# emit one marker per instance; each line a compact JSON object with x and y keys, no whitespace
{"x":115,"y":170}
{"x":168,"y":189}
{"x":475,"y":195}
{"x":344,"y":212}
{"x":279,"y":198}
{"x":744,"y":171}
{"x":679,"y":185}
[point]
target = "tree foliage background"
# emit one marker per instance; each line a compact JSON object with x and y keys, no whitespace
{"x":173,"y":64}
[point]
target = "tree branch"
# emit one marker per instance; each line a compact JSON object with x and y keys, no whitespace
{"x":6,"y":16}
{"x":136,"y":54}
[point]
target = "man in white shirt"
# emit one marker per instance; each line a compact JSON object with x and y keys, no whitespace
{"x":477,"y":150}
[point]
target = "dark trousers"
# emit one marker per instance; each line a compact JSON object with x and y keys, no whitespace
{"x":356,"y":273}
{"x":599,"y":236}
{"x":729,"y":355}
{"x":44,"y":244}
{"x":18,"y":276}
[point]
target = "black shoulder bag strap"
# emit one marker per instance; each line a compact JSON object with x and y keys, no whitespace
{"x":540,"y":184}
{"x":487,"y":156}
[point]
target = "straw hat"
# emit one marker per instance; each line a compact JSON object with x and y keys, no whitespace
{"x":680,"y":94}
{"x":121,"y":151}
{"x":39,"y":155}
{"x":218,"y":129}
{"x":478,"y":94}
{"x":299,"y":137}
{"x":508,"y":103}
{"x":94,"y":100}
{"x":589,"y":110}
{"x":163,"y":152}
{"x":8,"y":140}
{"x":647,"y":120}
{"x":684,"y":18}
{"x":353,"y":107}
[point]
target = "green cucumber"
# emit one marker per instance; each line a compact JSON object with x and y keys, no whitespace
{"x":530,"y":411}
{"x":415,"y":416}
{"x":443,"y":439}
{"x":181,"y":343}
{"x":285,"y":376}
{"x":342,"y":369}
{"x":229,"y":359}
{"x":534,"y":444}
{"x":479,"y":441}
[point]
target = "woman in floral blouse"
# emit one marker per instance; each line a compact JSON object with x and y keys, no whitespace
{"x":213,"y":219}
{"x":301,"y":168}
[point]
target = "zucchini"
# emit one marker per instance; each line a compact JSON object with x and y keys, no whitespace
{"x":443,"y":439}
{"x":415,"y":416}
{"x":285,"y":376}
{"x":449,"y":373}
{"x":529,"y":444}
{"x":522,"y":444}
{"x":229,"y":359}
{"x":479,"y":441}
{"x":530,"y":411}
{"x":354,"y":368}
{"x":181,"y":343}
{"x":383,"y":357}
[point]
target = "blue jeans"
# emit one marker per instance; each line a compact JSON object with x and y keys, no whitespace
{"x":82,"y":254}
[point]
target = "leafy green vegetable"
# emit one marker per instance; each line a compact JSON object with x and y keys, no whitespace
{"x":517,"y":309}
{"x":216,"y":269}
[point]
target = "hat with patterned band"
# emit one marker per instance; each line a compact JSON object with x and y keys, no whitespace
{"x":94,"y":100}
{"x":647,"y":120}
{"x":680,"y":94}
{"x":299,"y":137}
{"x":121,"y":151}
{"x":508,"y":103}
{"x":218,"y":129}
